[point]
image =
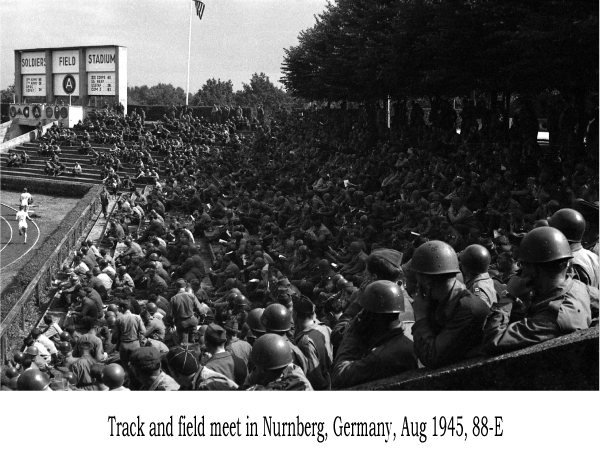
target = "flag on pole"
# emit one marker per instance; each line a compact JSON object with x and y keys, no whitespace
{"x":199,"y":8}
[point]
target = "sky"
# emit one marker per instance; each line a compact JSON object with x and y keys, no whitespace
{"x":234,"y":39}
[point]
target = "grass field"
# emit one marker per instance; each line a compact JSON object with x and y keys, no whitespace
{"x":49,"y":212}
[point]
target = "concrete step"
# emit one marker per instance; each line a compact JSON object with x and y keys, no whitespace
{"x":10,"y":172}
{"x":38,"y":162}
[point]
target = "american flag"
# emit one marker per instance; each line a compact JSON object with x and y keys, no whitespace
{"x":199,"y":8}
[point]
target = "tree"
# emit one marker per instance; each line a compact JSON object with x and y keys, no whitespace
{"x":214,"y":92}
{"x":165,"y":94}
{"x":260,"y":90}
{"x":6,"y":95}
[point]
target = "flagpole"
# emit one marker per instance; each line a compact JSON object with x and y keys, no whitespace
{"x":187,"y":88}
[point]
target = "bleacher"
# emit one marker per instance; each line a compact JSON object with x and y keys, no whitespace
{"x":69,"y":156}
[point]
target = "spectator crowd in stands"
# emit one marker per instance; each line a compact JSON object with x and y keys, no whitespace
{"x":342,"y":254}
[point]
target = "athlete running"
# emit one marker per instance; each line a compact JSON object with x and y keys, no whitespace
{"x":22,"y":217}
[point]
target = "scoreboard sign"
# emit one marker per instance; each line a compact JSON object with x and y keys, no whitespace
{"x":33,"y":63}
{"x":34,"y":85}
{"x":101,"y":84}
{"x":66,"y":84}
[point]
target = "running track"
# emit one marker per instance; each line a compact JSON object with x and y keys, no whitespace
{"x":11,"y":244}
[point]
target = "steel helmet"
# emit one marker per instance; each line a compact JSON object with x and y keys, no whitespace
{"x":11,"y":372}
{"x":153,"y":256}
{"x":434,"y":257}
{"x":476,"y":258}
{"x":113,"y":376}
{"x":241,"y":300}
{"x":65,"y":336}
{"x":110,"y":314}
{"x":271,"y":352}
{"x":382,"y":297}
{"x":18,"y":357}
{"x":111,"y":321}
{"x":277,"y":318}
{"x":253,"y":320}
{"x":70,"y":376}
{"x":113,"y":307}
{"x":151,"y":308}
{"x":64,"y":347}
{"x":570,"y":222}
{"x":544,"y":244}
{"x":232,"y":296}
{"x":32,"y":350}
{"x":33,"y":380}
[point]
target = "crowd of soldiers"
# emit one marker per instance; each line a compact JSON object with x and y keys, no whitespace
{"x":341,"y":256}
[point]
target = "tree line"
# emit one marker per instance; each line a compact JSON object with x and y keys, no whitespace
{"x":367,"y":50}
{"x":259,"y":91}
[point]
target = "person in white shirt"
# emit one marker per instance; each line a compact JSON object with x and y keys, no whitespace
{"x":22,"y":217}
{"x":25,"y":199}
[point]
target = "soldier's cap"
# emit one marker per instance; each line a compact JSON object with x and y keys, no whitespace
{"x":392,"y":256}
{"x":303,"y":305}
{"x":181,"y":283}
{"x":182,"y":361}
{"x":284,"y":281}
{"x":145,"y":357}
{"x":215,"y":334}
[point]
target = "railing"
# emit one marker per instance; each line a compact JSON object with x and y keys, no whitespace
{"x":37,"y":292}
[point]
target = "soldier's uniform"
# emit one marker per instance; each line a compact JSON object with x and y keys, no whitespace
{"x":359,"y":360}
{"x":512,"y":325}
{"x":315,"y":344}
{"x":482,"y":286}
{"x":292,"y":378}
{"x":451,"y":331}
{"x":585,"y":266}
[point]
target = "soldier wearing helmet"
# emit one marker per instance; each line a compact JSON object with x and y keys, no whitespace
{"x":274,"y":367}
{"x":449,"y":318}
{"x":584,"y":264}
{"x":277,"y":319}
{"x":541,"y":302}
{"x":113,"y":377}
{"x":474,"y":263}
{"x":376,"y":344}
{"x":33,"y":380}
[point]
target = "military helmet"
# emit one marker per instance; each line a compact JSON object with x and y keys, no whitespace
{"x":476,"y":258}
{"x":11,"y":372}
{"x":32,"y":350}
{"x":33,"y":380}
{"x":382,"y":297}
{"x":113,"y":376}
{"x":276,"y":318}
{"x":64,"y":347}
{"x":544,"y":244}
{"x":18,"y":357}
{"x":253,"y":320}
{"x":435,"y":257}
{"x":65,"y":336}
{"x":271,"y":352}
{"x":570,"y":222}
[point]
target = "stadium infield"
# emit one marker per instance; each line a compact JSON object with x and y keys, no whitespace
{"x":48,"y":212}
